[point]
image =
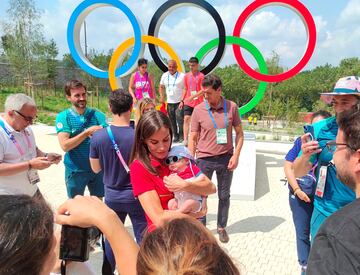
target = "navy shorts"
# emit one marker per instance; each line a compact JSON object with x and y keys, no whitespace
{"x":188,"y":110}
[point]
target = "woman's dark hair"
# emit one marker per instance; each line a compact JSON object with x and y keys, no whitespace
{"x":120,"y":101}
{"x":142,"y":61}
{"x":148,"y":124}
{"x":183,"y":247}
{"x":26,"y":234}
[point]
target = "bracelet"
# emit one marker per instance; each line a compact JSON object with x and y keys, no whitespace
{"x":296,"y":189}
{"x":29,"y":165}
{"x":45,"y":155}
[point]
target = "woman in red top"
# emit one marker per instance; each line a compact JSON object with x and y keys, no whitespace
{"x":150,"y":177}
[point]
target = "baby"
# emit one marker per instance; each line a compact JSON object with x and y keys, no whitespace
{"x":182,"y":163}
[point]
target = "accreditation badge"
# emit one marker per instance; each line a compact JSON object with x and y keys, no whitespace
{"x":221,"y":136}
{"x":33,"y":176}
{"x":194,"y":93}
{"x":146,"y":95}
{"x":170,"y":92}
{"x":320,"y":187}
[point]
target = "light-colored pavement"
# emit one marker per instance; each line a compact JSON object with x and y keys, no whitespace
{"x":262,"y":238}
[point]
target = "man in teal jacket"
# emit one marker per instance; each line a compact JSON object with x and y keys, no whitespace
{"x":75,"y":127}
{"x":331,"y":194}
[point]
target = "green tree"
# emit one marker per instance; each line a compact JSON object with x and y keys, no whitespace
{"x":22,"y":37}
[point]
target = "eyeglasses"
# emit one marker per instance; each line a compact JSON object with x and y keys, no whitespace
{"x":332,"y":145}
{"x":172,"y":159}
{"x":27,"y":118}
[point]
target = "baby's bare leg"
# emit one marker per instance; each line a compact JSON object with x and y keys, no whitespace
{"x":172,"y":204}
{"x":190,"y":206}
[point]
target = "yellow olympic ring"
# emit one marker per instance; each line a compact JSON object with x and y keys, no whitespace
{"x":130,"y":42}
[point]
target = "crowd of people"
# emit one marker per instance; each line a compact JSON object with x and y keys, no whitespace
{"x":136,"y":171}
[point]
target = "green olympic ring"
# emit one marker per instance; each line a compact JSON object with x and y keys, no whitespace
{"x":212,"y":44}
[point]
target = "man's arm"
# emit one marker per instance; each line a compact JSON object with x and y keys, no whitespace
{"x":9,"y":169}
{"x":239,"y":141}
{"x":95,"y":165}
{"x":68,"y":143}
{"x":193,"y":142}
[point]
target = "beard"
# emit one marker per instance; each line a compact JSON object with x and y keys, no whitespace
{"x":80,"y":104}
{"x":346,"y":178}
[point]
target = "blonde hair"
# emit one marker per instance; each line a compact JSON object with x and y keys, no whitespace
{"x":183,"y":247}
{"x":141,"y":105}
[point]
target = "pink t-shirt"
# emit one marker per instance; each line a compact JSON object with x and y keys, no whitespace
{"x":193,"y":83}
{"x":142,"y":86}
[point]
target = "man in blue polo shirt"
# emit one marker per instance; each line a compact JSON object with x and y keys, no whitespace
{"x":74,"y":127}
{"x":331,"y":194}
{"x":110,"y":151}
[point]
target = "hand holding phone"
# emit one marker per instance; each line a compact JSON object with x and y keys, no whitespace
{"x":309,"y":129}
{"x":54,"y":157}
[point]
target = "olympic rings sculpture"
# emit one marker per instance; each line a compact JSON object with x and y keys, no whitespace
{"x":82,"y":10}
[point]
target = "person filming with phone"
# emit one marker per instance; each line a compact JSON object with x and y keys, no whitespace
{"x":301,"y":194}
{"x":330,"y":194}
{"x":20,"y":158}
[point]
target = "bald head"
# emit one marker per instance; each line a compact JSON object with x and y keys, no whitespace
{"x":172,"y":66}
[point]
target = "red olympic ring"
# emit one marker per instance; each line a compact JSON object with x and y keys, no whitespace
{"x":303,"y":12}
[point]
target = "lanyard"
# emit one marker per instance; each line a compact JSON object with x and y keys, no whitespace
{"x":211,"y":116}
{"x":76,"y":116}
{"x":174,"y":80}
{"x":141,"y":83}
{"x":12,"y":138}
{"x":191,"y":77}
{"x":117,"y":150}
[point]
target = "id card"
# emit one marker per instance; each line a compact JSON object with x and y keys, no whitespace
{"x":33,"y":176}
{"x":320,"y":187}
{"x":170,"y":92}
{"x":221,"y":136}
{"x":146,"y":95}
{"x":194,"y":93}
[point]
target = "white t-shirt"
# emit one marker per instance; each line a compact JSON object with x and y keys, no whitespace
{"x":174,"y":85}
{"x":18,"y":184}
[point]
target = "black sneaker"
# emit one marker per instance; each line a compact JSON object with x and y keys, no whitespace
{"x":223,"y":235}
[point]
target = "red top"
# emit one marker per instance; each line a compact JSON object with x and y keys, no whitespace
{"x":188,"y":174}
{"x":143,"y":181}
{"x":193,"y":83}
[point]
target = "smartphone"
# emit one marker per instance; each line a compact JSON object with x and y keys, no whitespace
{"x":309,"y":129}
{"x":53,"y":157}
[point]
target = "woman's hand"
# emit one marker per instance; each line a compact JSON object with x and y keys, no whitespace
{"x":83,"y":212}
{"x":302,"y":196}
{"x":309,"y":147}
{"x":174,"y":183}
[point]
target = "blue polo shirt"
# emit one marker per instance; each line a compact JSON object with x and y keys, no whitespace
{"x":69,"y":121}
{"x":116,"y":180}
{"x":336,"y":194}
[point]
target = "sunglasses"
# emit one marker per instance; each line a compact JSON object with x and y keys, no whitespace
{"x":27,"y":118}
{"x":172,"y":159}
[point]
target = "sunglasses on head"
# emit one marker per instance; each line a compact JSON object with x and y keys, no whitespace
{"x":172,"y":159}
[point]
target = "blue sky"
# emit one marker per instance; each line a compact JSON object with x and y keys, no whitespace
{"x":186,"y":29}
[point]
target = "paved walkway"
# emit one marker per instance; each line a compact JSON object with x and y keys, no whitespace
{"x":262,"y":239}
